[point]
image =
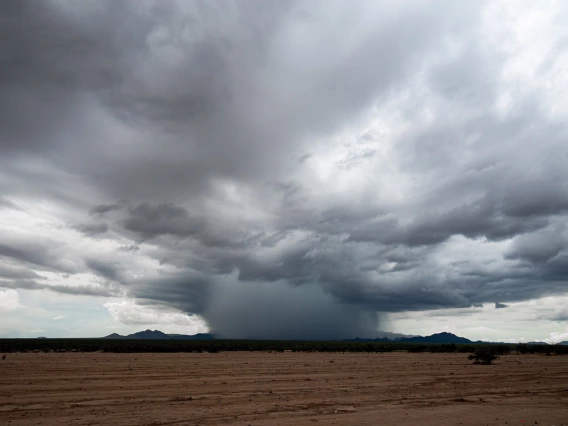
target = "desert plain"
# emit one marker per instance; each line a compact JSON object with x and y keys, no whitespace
{"x":275,"y":388}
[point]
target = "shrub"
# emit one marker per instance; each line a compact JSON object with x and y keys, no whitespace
{"x":483,"y":356}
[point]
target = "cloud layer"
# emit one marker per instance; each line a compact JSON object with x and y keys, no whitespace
{"x":268,"y":165}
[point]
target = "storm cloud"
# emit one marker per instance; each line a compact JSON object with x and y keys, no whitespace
{"x":285,"y":169}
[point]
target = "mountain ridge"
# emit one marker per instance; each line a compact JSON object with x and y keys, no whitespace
{"x":159,"y":335}
{"x":443,"y":337}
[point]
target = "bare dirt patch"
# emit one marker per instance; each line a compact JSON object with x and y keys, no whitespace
{"x":281,"y":389}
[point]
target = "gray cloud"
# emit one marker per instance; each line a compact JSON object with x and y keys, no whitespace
{"x":5,"y":203}
{"x":101,"y":209}
{"x":8,"y":271}
{"x":248,"y":160}
{"x":131,"y":248}
{"x":149,"y":221}
{"x":188,"y":291}
{"x":92,"y":229}
{"x":104,"y":269}
{"x":559,"y":316}
{"x":162,"y":219}
{"x":87,"y":290}
{"x":35,"y":253}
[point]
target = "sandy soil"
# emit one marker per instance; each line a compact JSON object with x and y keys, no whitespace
{"x":281,"y":389}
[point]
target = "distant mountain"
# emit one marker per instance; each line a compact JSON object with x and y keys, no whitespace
{"x":437,"y":338}
{"x":440,"y":338}
{"x":383,"y":336}
{"x":392,"y":337}
{"x":158,"y":335}
{"x":378,"y":339}
{"x":114,"y":336}
{"x":434,"y":338}
{"x":149,"y":334}
{"x":198,"y":336}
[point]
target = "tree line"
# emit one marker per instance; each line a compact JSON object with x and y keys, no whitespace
{"x":213,"y":346}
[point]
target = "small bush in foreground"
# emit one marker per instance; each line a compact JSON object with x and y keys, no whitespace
{"x":483,"y":356}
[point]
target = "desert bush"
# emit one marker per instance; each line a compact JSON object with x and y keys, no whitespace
{"x":483,"y":356}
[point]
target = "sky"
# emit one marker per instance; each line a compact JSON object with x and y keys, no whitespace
{"x":289,"y":169}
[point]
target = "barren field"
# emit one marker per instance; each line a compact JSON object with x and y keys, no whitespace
{"x":281,"y":389}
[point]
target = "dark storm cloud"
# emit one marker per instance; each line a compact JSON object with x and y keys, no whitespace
{"x":87,"y":290}
{"x":161,"y":219}
{"x":130,"y":248}
{"x":148,"y":221}
{"x":500,"y":305}
{"x":271,"y":310}
{"x":14,"y":272}
{"x":92,"y":229}
{"x":187,"y":291}
{"x":195,"y":76}
{"x":226,"y":147}
{"x":474,"y":220}
{"x":38,"y":254}
{"x":105,"y":208}
{"x":538,"y":248}
{"x":104,"y":269}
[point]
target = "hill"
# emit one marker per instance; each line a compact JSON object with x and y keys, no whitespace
{"x":159,"y":335}
{"x":114,"y":336}
{"x":434,"y":338}
{"x":565,"y":343}
{"x":437,"y":338}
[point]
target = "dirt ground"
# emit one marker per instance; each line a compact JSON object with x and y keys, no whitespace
{"x":281,"y":389}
